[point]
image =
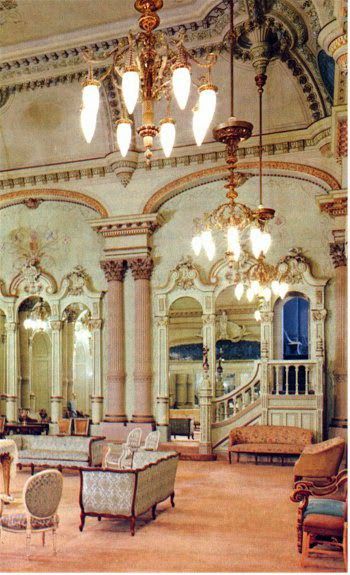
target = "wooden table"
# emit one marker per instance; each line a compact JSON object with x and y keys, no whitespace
{"x":26,"y":428}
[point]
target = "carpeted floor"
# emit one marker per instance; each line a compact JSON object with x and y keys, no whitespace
{"x":233,"y":518}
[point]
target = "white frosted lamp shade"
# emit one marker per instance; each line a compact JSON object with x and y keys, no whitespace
{"x":124,"y":136}
{"x":255,"y":287}
{"x":267,"y":294}
{"x":197,"y":244}
{"x":208,"y":244}
{"x":199,"y":129}
{"x":88,"y":123}
{"x":284,"y":287}
{"x":130,"y":88}
{"x":275,"y":286}
{"x":181,"y":85}
{"x":239,"y":289}
{"x":91,"y":95}
{"x":207,"y":103}
{"x":265,"y":241}
{"x":250,"y":294}
{"x":167,"y":136}
{"x":257,"y":315}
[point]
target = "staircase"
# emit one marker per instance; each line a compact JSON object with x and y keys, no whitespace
{"x":279,"y":392}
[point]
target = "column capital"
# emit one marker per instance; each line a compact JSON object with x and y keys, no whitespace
{"x":56,"y":325}
{"x":141,"y":268}
{"x":95,"y":324}
{"x":11,"y":326}
{"x":337,"y":253}
{"x":114,"y":270}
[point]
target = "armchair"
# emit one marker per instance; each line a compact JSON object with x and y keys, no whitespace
{"x":42,"y":494}
{"x":320,"y":461}
{"x":131,"y":445}
{"x":322,"y":517}
{"x":65,"y":426}
{"x":151,"y":441}
{"x":81,"y":426}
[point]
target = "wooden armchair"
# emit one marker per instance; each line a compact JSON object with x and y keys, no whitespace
{"x":81,"y":426}
{"x":322,"y":517}
{"x":320,"y":460}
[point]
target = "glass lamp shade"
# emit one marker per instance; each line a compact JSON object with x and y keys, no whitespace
{"x":207,"y":103}
{"x":250,"y":294}
{"x":266,"y":294}
{"x":257,"y":315}
{"x":124,"y":135}
{"x":255,"y":287}
{"x":167,"y":135}
{"x":275,"y":286}
{"x":199,"y":128}
{"x":131,"y":88}
{"x":284,"y":287}
{"x":197,"y":244}
{"x":91,"y":95}
{"x":88,"y":123}
{"x":239,"y":289}
{"x":208,"y":244}
{"x":181,"y":80}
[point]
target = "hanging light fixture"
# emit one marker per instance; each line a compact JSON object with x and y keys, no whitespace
{"x":147,"y":73}
{"x":38,"y":319}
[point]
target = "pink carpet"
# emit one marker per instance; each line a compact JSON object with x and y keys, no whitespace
{"x":233,"y":518}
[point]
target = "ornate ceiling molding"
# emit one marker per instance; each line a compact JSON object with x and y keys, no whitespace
{"x":30,"y":198}
{"x":271,"y":168}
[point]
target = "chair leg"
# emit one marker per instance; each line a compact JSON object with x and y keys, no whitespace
{"x":305,"y":548}
{"x":345,"y":545}
{"x":43,"y":538}
{"x":132,"y":525}
{"x":54,"y":542}
{"x":154,"y":511}
{"x":28,"y":534}
{"x":82,"y":521}
{"x":172,"y":497}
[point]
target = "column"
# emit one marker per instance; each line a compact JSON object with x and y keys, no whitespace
{"x":115,"y":273}
{"x":164,"y":387}
{"x":337,"y":252}
{"x":205,"y":397}
{"x":209,"y":341}
{"x":12,"y":360}
{"x":97,"y":395}
{"x":141,"y":269}
{"x":56,"y":397}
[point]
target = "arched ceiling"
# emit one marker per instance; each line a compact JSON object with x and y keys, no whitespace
{"x":41,"y":68}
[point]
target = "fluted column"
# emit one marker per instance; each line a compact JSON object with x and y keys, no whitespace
{"x":97,"y":396}
{"x":56,"y":397}
{"x":115,"y":273}
{"x":12,"y":370}
{"x":141,"y":269}
{"x":337,"y":252}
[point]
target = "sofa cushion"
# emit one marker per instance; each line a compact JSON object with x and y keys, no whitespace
{"x":324,"y":524}
{"x":18,"y":522}
{"x":282,"y":448}
{"x":325,"y":507}
{"x":39,"y":454}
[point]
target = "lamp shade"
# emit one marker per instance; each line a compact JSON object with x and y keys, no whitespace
{"x":124,"y":135}
{"x":131,"y":88}
{"x":199,"y":129}
{"x":167,"y":135}
{"x":88,"y":123}
{"x":197,"y":244}
{"x":181,"y":85}
{"x":239,"y":289}
{"x":89,"y":111}
{"x":207,"y":103}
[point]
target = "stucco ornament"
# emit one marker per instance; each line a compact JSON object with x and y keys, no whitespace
{"x":31,"y":278}
{"x":185,"y":273}
{"x":229,"y":330}
{"x":77,"y":279}
{"x":293,"y":266}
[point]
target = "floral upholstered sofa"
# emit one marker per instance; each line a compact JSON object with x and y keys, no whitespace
{"x":58,"y":451}
{"x":130,"y":492}
{"x":268,"y":440}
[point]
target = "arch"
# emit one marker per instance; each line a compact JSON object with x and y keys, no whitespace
{"x":41,"y":371}
{"x":32,"y":198}
{"x":324,"y":180}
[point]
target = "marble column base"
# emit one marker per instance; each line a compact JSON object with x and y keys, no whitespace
{"x":115,"y":418}
{"x":142,"y":419}
{"x":206,"y":448}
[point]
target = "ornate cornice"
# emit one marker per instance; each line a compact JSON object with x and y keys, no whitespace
{"x":114,"y":270}
{"x":127,"y":225}
{"x":335,"y":204}
{"x":141,"y":268}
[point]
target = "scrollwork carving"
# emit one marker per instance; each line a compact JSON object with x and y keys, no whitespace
{"x":185,"y":273}
{"x":293,"y":266}
{"x":77,"y":279}
{"x":319,"y":314}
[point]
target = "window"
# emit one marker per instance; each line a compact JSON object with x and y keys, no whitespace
{"x":295,"y":326}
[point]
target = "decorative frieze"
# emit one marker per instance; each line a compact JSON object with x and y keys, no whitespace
{"x":114,"y":270}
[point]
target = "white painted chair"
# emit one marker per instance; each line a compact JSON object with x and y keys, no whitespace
{"x":41,"y":495}
{"x":151,"y":441}
{"x":131,"y":445}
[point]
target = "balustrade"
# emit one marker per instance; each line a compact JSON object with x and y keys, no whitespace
{"x":237,"y":400}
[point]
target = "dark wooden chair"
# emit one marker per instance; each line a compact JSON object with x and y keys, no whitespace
{"x":81,"y":426}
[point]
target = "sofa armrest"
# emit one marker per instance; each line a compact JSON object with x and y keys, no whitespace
{"x":107,"y":491}
{"x":96,"y":445}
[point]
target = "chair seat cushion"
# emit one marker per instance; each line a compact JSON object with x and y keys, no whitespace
{"x":266,"y":448}
{"x":325,"y":507}
{"x":41,"y":454}
{"x":326,"y":525}
{"x":18,"y":522}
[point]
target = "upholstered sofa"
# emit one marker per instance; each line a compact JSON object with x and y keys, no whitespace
{"x":320,"y":461}
{"x":128,"y":493}
{"x":58,"y":451}
{"x":268,"y":440}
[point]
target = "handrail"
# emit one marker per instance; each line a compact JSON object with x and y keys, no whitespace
{"x":240,"y":389}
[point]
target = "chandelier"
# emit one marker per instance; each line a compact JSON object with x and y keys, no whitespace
{"x":82,"y":331}
{"x":153,"y":67}
{"x":233,"y":217}
{"x":38,"y":319}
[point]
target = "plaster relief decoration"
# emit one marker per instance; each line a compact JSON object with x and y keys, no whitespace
{"x":293,"y":266}
{"x":77,"y":279}
{"x":185,"y":273}
{"x":31,"y":251}
{"x":229,"y":330}
{"x":9,"y":12}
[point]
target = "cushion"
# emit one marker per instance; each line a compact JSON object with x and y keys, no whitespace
{"x":18,"y":522}
{"x":324,"y":525}
{"x":325,"y":507}
{"x":40,"y":454}
{"x":281,"y":448}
